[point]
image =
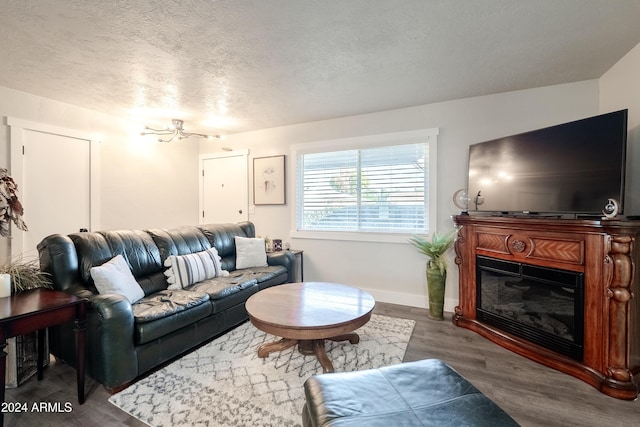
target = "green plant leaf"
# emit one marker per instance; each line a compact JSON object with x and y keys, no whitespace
{"x":436,"y":247}
{"x":25,"y":275}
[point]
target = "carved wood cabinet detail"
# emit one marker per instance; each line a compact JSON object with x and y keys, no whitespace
{"x":606,"y":252}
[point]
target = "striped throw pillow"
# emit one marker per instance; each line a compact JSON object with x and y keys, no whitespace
{"x":185,"y":270}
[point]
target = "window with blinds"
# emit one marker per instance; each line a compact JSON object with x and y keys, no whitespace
{"x":379,"y":189}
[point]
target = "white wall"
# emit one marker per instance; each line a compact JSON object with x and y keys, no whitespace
{"x":620,"y":89}
{"x":146,"y":184}
{"x":395,"y":272}
{"x":143,"y":183}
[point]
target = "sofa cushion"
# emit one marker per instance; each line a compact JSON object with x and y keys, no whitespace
{"x":422,"y":393}
{"x":153,"y":283}
{"x":114,"y":277}
{"x":263,"y":274}
{"x":166,"y":303}
{"x":250,"y":252}
{"x":179,"y":241}
{"x":96,"y":248}
{"x":185,"y":270}
{"x":167,"y":311}
{"x":137,"y":248}
{"x":225,"y":292}
{"x":222,"y":237}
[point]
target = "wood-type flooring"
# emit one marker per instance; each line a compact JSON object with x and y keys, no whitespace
{"x":531,"y":393}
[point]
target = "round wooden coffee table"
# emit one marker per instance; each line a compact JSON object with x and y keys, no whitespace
{"x":307,"y":314}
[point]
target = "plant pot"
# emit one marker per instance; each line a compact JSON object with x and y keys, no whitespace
{"x":5,"y":285}
{"x":435,"y":284}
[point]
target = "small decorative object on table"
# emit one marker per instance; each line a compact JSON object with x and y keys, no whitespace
{"x":268,"y":244}
{"x":19,"y":275}
{"x":5,"y":285}
{"x":277,"y":245}
{"x":15,"y":275}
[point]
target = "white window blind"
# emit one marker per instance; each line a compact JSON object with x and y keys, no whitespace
{"x":380,"y":189}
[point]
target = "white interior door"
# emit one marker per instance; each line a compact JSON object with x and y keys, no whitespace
{"x":55,"y":174}
{"x":224,"y":187}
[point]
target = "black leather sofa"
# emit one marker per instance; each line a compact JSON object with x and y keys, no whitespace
{"x":126,"y":340}
{"x":423,"y":393}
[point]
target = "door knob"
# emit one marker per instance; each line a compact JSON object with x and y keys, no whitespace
{"x":240,"y":211}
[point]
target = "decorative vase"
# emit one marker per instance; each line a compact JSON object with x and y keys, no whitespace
{"x":435,"y":283}
{"x":5,"y":285}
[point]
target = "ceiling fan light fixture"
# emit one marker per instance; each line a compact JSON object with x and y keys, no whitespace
{"x":176,"y":132}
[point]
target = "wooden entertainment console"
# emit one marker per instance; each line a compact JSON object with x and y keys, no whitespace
{"x":607,"y":252}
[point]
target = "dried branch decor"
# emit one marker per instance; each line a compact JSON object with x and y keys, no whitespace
{"x":10,"y":207}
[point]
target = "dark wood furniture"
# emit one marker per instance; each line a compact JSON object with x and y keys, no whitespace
{"x":607,"y":252}
{"x":34,"y":311}
{"x":307,"y":314}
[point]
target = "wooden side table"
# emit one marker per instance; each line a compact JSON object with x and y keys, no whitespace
{"x":34,"y":311}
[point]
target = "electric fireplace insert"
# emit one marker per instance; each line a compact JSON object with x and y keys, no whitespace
{"x":542,"y":305}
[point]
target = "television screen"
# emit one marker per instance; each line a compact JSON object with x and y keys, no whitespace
{"x":572,"y":168}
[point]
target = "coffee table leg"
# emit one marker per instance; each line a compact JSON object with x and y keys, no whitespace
{"x":308,"y":347}
{"x":282,"y":344}
{"x":321,"y":355}
{"x":353,"y":338}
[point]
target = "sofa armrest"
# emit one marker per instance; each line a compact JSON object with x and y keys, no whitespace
{"x":110,"y":335}
{"x":58,"y":258}
{"x":287,"y":260}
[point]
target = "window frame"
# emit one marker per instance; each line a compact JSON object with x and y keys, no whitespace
{"x":428,"y":136}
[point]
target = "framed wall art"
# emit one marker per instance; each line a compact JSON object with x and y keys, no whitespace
{"x":269,"y":180}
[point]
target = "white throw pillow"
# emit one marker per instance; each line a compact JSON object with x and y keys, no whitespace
{"x":185,"y":270}
{"x":115,"y":277}
{"x":250,"y":252}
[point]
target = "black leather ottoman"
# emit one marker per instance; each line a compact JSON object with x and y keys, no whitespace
{"x":423,"y":393}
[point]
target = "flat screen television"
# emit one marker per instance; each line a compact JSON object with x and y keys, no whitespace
{"x":568,"y":169}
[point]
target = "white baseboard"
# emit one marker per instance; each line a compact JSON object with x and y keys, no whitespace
{"x":411,"y":300}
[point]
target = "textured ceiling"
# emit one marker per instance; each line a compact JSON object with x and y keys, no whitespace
{"x":236,"y":65}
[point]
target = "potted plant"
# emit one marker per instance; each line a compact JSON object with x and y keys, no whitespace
{"x":11,"y":209}
{"x":15,"y":275}
{"x":436,"y":268}
{"x":20,"y":275}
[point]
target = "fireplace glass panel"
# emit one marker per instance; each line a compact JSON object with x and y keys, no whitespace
{"x":539,"y":304}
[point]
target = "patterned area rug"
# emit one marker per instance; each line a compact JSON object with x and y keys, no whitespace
{"x":224,"y":383}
